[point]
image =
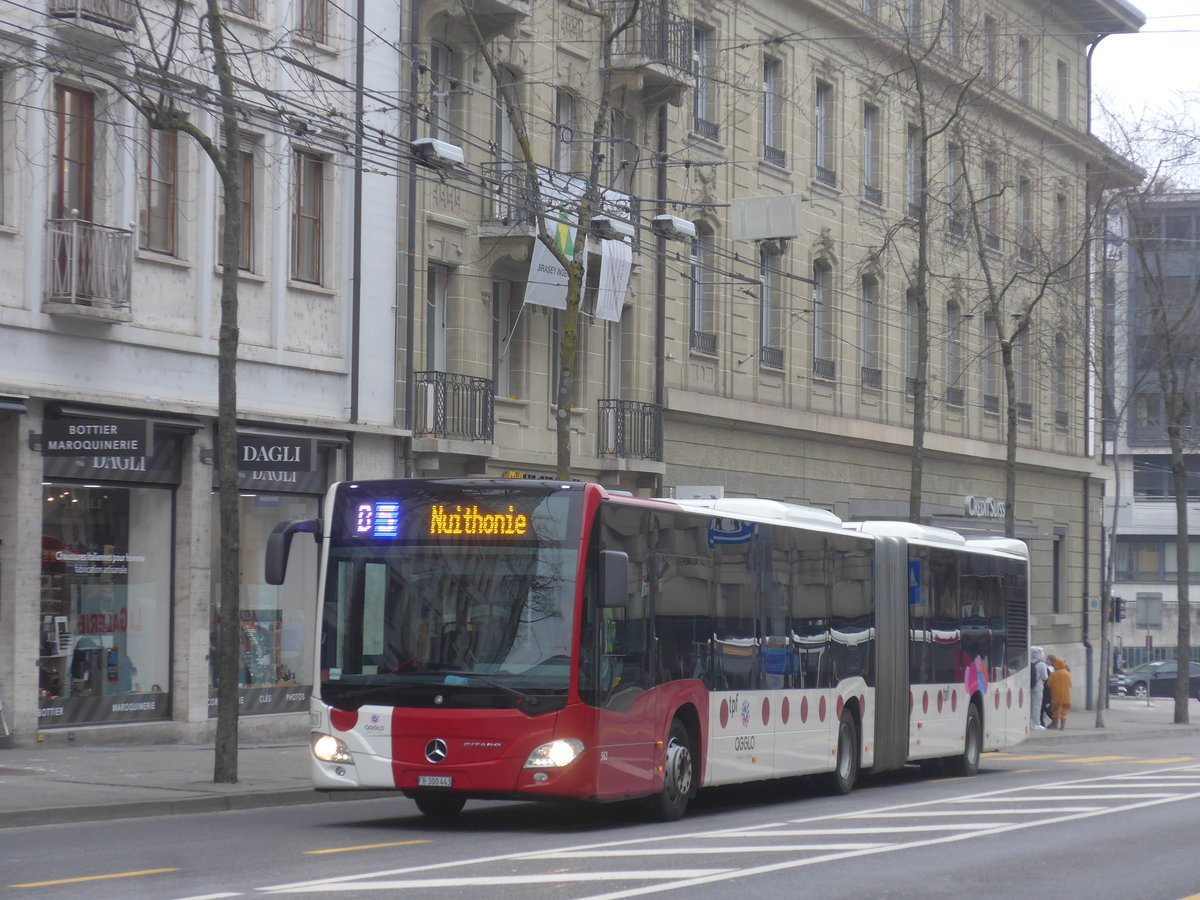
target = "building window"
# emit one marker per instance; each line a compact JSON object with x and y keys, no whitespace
{"x":1063,"y":93}
{"x":1063,"y":237}
{"x":247,"y":9}
{"x":990,"y":50}
{"x":991,"y":205}
{"x":509,"y":339}
{"x":701,"y":299}
{"x":956,"y":221}
{"x":308,"y":210}
{"x":823,"y":143}
{"x":1024,"y":69}
{"x":246,"y":253}
{"x":5,"y":152}
{"x":953,"y":28}
{"x":912,"y":326}
{"x":623,"y":157}
{"x":823,"y":341}
{"x":772,"y":118}
{"x":1062,"y":394}
{"x":771,"y":312}
{"x":871,"y":8}
{"x":912,"y":16}
{"x":313,"y":20}
{"x":74,"y":143}
{"x":1152,"y":478}
{"x":1024,"y":219}
{"x":159,"y":191}
{"x":564,"y":131}
{"x":954,"y":353}
{"x":912,"y":171}
{"x":704,"y":93}
{"x":442,"y":92}
{"x":872,"y":365}
{"x":1022,"y":364}
{"x":993,"y":365}
{"x":872,"y":155}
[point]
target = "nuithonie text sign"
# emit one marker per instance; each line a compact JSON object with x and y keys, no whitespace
{"x":95,"y":437}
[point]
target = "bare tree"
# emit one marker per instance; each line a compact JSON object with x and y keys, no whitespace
{"x":577,"y":214}
{"x":1166,"y":297}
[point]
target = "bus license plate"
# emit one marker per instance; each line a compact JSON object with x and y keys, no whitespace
{"x":435,"y":781}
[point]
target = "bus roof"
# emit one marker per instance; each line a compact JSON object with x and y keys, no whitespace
{"x":764,"y":510}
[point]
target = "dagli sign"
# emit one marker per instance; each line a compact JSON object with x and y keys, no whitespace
{"x":983,"y":507}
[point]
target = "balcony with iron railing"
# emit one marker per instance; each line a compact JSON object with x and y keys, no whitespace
{"x":824,"y":369}
{"x":706,"y":129}
{"x":771,"y":357}
{"x":511,"y":194}
{"x":826,"y":176}
{"x":658,"y":44}
{"x":954,"y":396}
{"x":704,"y":342}
{"x":450,"y":406}
{"x":871,"y":377}
{"x":119,"y":14}
{"x":630,"y":429}
{"x":88,"y":269}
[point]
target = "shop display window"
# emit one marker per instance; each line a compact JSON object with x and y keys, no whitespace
{"x":275,"y":665}
{"x":105,"y":604}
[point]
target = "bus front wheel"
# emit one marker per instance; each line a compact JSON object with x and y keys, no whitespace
{"x":679,"y":776}
{"x":440,"y":806}
{"x":845,"y":773}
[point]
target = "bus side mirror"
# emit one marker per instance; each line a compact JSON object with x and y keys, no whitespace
{"x":279,"y":545}
{"x":614,"y":575}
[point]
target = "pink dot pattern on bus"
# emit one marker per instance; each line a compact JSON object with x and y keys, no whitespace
{"x":343,"y":719}
{"x":787,"y":708}
{"x":724,"y":713}
{"x":766,"y":710}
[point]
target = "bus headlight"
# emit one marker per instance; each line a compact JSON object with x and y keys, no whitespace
{"x":327,"y":748}
{"x":555,"y":754}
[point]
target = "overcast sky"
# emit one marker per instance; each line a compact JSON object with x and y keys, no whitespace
{"x":1150,"y":69}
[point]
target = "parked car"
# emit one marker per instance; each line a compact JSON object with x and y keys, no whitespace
{"x":1153,"y":679}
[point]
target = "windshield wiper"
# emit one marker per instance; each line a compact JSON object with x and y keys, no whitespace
{"x":519,"y":696}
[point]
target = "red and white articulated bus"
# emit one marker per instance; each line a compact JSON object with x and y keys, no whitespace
{"x":505,"y":638}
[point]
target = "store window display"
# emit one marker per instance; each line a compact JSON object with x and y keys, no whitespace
{"x":275,"y":666}
{"x":105,"y":603}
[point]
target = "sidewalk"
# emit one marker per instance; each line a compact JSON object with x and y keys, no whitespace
{"x":44,"y":784}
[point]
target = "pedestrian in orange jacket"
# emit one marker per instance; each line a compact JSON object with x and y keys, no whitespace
{"x":1059,"y":685}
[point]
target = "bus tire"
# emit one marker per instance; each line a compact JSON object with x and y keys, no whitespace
{"x":845,"y":772}
{"x":679,"y":776}
{"x":967,"y":763}
{"x":440,"y":806}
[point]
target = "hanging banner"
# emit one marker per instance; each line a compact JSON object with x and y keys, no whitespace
{"x":547,"y":283}
{"x":616,"y":261}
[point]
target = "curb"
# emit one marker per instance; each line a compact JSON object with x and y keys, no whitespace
{"x":64,"y":815}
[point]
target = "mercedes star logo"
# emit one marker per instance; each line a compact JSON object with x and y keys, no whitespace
{"x":435,"y":750}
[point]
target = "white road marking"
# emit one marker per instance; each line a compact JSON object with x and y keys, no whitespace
{"x":661,"y":880}
{"x":486,"y":881}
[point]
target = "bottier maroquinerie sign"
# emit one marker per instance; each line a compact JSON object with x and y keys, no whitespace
{"x":95,"y":437}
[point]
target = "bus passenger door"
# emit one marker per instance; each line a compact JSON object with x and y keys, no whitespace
{"x":626,"y":712}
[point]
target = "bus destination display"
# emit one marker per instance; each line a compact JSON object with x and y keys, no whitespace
{"x":381,"y":519}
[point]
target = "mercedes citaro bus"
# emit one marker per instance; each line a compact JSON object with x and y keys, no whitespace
{"x":506,"y":638}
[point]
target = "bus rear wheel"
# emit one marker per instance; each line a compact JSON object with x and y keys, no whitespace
{"x":440,"y":806}
{"x":967,"y":764}
{"x":845,"y":773}
{"x":679,"y":776}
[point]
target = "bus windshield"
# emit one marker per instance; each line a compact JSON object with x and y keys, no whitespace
{"x":455,"y":599}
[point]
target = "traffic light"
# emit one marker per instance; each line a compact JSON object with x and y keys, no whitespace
{"x":1117,"y":613}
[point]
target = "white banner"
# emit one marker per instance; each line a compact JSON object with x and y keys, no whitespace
{"x":616,"y":260}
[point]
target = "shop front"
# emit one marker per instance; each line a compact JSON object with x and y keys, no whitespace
{"x":280,"y":477}
{"x":108,"y":499}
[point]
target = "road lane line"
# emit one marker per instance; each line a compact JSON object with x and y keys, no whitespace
{"x":84,"y":878}
{"x":699,"y":851}
{"x":506,"y":880}
{"x":365,"y":847}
